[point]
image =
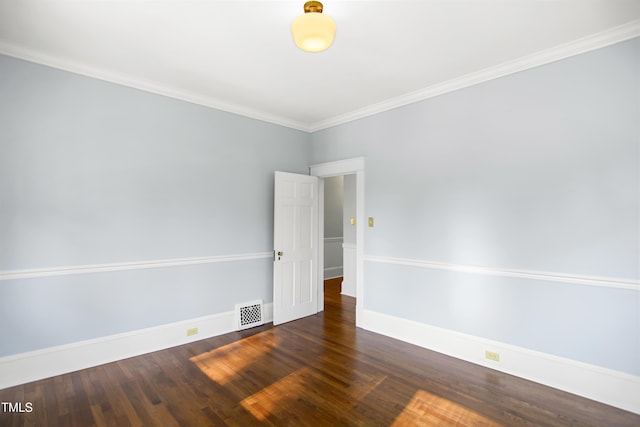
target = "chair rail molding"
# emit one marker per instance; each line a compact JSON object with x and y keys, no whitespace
{"x":136,"y":265}
{"x":609,"y":282}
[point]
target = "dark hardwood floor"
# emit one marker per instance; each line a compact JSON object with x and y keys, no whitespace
{"x":318,"y":371}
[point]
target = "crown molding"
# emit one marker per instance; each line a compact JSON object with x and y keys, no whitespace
{"x":599,"y":40}
{"x":123,"y":79}
{"x":596,"y":41}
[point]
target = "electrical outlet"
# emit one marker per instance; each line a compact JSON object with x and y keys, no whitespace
{"x":192,"y":331}
{"x":492,"y":355}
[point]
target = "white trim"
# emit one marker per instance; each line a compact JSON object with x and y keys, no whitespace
{"x":580,"y":279}
{"x":320,"y":267}
{"x":138,"y":265}
{"x":127,"y":80}
{"x":614,"y":388}
{"x":337,"y":168}
{"x":595,"y":41}
{"x":349,"y":265}
{"x":360,"y":221}
{"x":39,"y":364}
{"x":333,"y":239}
{"x":332,"y":272}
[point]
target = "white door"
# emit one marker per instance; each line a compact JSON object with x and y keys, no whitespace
{"x":295,"y":247}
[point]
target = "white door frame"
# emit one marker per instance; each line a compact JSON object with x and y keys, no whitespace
{"x":326,"y":170}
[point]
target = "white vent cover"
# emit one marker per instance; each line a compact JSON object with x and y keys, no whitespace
{"x":249,"y":314}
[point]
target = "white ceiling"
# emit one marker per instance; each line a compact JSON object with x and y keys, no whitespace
{"x":239,"y":56}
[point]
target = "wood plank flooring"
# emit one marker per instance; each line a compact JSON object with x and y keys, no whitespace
{"x":318,"y":371}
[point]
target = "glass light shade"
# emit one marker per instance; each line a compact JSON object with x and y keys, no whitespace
{"x":313,"y":32}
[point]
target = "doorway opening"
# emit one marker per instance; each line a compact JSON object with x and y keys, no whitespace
{"x":340,"y":232}
{"x":353,"y":171}
{"x":339,"y":309}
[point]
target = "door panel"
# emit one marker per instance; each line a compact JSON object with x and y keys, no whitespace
{"x":295,"y":247}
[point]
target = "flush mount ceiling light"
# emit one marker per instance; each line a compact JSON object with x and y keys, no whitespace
{"x":313,"y":31}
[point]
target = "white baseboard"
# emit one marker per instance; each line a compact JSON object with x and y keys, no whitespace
{"x":346,"y":288}
{"x":332,"y":272}
{"x":604,"y":385}
{"x":39,"y":364}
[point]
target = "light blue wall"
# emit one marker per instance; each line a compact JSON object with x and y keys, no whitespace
{"x":333,"y":201}
{"x":538,"y":171}
{"x":94,"y":173}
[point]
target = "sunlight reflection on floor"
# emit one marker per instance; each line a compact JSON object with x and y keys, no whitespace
{"x":426,"y":409}
{"x":263,"y":403}
{"x":224,"y":363}
{"x":314,"y":387}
